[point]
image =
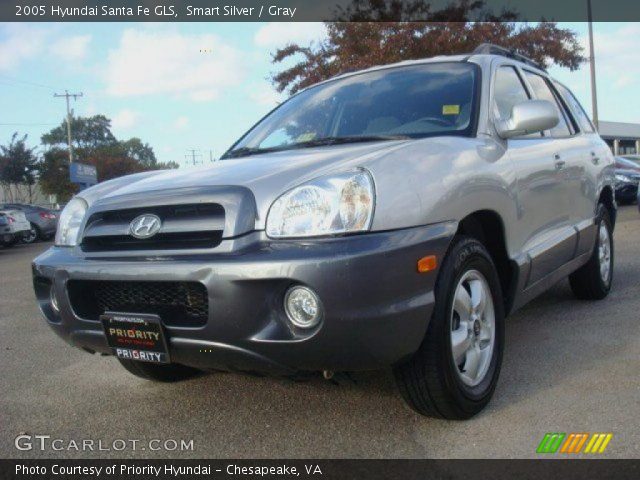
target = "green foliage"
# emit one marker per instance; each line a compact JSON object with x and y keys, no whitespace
{"x":54,"y":175}
{"x":18,"y":169}
{"x":89,"y":133}
{"x":18,"y":164}
{"x":95,"y":144}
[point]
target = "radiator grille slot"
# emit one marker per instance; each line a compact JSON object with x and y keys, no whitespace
{"x":177,"y":303}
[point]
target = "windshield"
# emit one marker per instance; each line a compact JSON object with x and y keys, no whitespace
{"x":401,"y":102}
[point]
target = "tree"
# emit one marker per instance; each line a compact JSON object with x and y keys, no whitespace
{"x":94,"y":144}
{"x":370,"y":39}
{"x":54,"y":175}
{"x":18,"y":167}
{"x":140,"y":152}
{"x":89,"y":133}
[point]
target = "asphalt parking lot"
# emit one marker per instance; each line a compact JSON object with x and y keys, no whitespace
{"x":570,"y":366}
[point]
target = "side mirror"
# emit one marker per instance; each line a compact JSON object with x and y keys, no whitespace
{"x":527,"y":117}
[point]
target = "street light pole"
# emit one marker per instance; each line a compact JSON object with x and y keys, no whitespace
{"x":592,"y":67}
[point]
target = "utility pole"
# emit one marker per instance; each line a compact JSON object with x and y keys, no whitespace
{"x":592,"y":65}
{"x":193,"y":156}
{"x":211,"y":159}
{"x":75,"y":96}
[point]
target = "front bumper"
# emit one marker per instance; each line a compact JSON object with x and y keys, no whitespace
{"x":377,"y":306}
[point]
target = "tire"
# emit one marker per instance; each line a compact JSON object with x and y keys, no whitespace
{"x":590,"y":282}
{"x":32,"y":236}
{"x":167,"y":373}
{"x":431,"y":382}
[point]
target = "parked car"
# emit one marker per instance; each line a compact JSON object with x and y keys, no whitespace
{"x":13,"y":226}
{"x":388,"y":217}
{"x":633,"y":158}
{"x":627,"y":179}
{"x":43,"y":221}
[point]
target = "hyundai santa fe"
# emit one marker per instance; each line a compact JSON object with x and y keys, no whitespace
{"x":391,"y":217}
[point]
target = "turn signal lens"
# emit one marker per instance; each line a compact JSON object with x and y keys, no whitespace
{"x":427,"y":264}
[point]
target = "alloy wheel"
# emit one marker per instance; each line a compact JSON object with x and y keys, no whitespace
{"x":472,"y":328}
{"x":31,"y":236}
{"x":604,"y":253}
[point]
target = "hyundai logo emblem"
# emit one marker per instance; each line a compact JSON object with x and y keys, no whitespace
{"x":145,"y":226}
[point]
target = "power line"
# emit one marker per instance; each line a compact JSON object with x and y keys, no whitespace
{"x":75,"y":96}
{"x":26,"y":82}
{"x":26,"y":124}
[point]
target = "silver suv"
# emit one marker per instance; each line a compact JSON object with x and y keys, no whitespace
{"x":388,"y":217}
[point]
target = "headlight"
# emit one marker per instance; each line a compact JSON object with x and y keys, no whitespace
{"x":334,"y":204}
{"x":69,"y":223}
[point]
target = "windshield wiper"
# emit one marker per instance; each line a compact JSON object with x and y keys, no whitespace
{"x":348,"y":139}
{"x":246,"y":151}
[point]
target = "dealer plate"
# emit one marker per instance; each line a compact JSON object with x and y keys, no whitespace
{"x":135,"y":336}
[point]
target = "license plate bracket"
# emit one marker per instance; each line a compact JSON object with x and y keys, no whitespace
{"x":136,"y":336}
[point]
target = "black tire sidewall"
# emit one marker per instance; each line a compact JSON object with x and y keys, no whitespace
{"x":35,"y":228}
{"x":604,"y":217}
{"x":467,"y":254}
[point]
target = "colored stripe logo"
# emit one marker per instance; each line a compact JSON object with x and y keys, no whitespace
{"x":574,"y":443}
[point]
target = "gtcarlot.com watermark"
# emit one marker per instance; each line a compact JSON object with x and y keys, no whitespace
{"x":42,"y":443}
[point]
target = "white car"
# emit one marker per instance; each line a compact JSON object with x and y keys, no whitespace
{"x":13,"y":227}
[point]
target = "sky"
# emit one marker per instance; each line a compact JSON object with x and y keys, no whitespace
{"x":188,"y":86}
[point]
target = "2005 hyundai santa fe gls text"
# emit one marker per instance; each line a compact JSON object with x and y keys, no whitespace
{"x":388,"y":217}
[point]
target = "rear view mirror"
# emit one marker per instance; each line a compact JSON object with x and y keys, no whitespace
{"x":528,"y":117}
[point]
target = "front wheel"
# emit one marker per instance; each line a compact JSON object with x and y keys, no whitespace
{"x":171,"y":372}
{"x":455,"y":371}
{"x":593,"y":280}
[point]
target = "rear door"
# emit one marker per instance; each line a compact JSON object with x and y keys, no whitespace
{"x":594,"y":158}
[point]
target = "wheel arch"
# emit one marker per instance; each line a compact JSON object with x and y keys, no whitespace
{"x":607,"y":198}
{"x":487,"y":226}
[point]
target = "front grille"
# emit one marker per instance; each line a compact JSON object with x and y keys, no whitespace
{"x":161,"y":241}
{"x":183,"y":227}
{"x":183,"y":304}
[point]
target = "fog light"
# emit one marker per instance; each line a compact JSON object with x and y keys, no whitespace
{"x":303,"y":307}
{"x":54,"y":299}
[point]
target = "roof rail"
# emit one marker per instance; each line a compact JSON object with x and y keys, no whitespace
{"x":490,"y":49}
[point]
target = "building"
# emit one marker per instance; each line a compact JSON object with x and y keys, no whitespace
{"x":623,"y":138}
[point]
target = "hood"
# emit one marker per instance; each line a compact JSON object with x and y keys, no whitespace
{"x":409,"y":176}
{"x":267,"y":176}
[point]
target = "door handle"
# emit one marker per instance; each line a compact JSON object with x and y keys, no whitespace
{"x":595,"y":159}
{"x":559,"y":162}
